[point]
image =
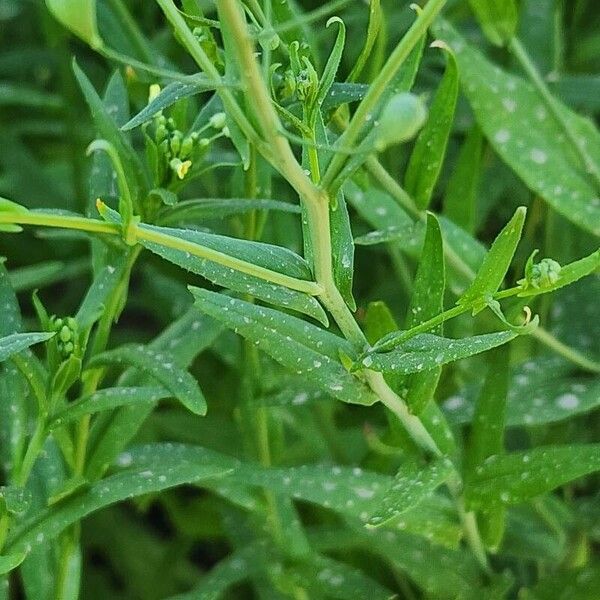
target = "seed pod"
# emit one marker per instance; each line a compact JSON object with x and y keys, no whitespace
{"x":400,"y":120}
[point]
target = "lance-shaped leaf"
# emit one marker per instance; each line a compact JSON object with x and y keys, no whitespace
{"x":169,"y":467}
{"x":460,"y":200}
{"x":523,"y":133}
{"x":300,"y":346}
{"x":496,"y":263}
{"x":487,"y":437}
{"x":8,"y":562}
{"x":107,"y":399}
{"x":411,"y":485}
{"x":219,"y":208}
{"x":427,"y":351}
{"x":184,"y":339}
{"x":160,"y":366}
{"x":168,"y":96}
{"x":426,"y":160}
{"x":427,"y":301}
{"x":222,"y":259}
{"x":333,"y":63}
{"x":519,"y":476}
{"x":79,"y":17}
{"x":498,"y":19}
{"x":539,"y":394}
{"x":17,"y":342}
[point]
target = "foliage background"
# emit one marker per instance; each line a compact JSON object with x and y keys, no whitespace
{"x":163,"y":544}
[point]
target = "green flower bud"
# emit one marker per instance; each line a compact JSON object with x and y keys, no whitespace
{"x":65,"y":334}
{"x":175,"y":142}
{"x":543,"y":274}
{"x":218,"y":121}
{"x":186,"y":146}
{"x":400,"y":120}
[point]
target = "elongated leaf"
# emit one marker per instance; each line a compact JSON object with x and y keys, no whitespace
{"x":460,"y":201}
{"x":274,"y":258}
{"x":16,"y":342}
{"x":8,"y":562}
{"x":426,"y":160}
{"x":344,"y":93}
{"x":217,"y":208}
{"x":160,"y":366}
{"x":427,"y":301}
{"x":333,"y":62}
{"x":109,"y":130}
{"x":343,"y":249}
{"x":169,"y":468}
{"x":519,"y":476}
{"x":79,"y":17}
{"x":411,"y":485}
{"x":184,"y":339}
{"x":172,"y":93}
{"x":108,"y":399}
{"x":538,"y":395}
{"x":487,"y":432}
{"x":375,"y":19}
{"x":496,"y":263}
{"x":304,"y":348}
{"x":426,"y":351}
{"x":104,"y":284}
{"x":498,"y":19}
{"x":526,"y":137}
{"x":487,"y":438}
{"x":404,"y":234}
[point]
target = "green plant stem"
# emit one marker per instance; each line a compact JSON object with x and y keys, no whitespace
{"x":95,"y":226}
{"x":308,"y":287}
{"x":539,"y":84}
{"x":364,"y":112}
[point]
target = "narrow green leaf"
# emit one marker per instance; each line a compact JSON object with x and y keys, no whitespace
{"x":498,"y":19}
{"x":426,"y":351}
{"x":190,"y":211}
{"x":526,"y":137}
{"x":184,"y":339}
{"x":487,"y":432}
{"x":487,"y":437}
{"x":427,"y":301}
{"x":275,"y":258}
{"x":411,"y":485}
{"x":519,"y":476}
{"x":8,"y":562}
{"x":108,"y":129}
{"x":168,"y":96}
{"x":496,"y":263}
{"x":16,"y":342}
{"x":343,"y":249}
{"x":333,"y":63}
{"x":169,"y":467}
{"x":343,"y":93}
{"x":375,"y":20}
{"x":426,"y":160}
{"x":460,"y":199}
{"x":107,"y":399}
{"x":11,"y":207}
{"x":300,"y":346}
{"x":79,"y":17}
{"x":405,"y":234}
{"x":160,"y":366}
{"x":104,"y":284}
{"x":379,"y":321}
{"x":539,"y":394}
